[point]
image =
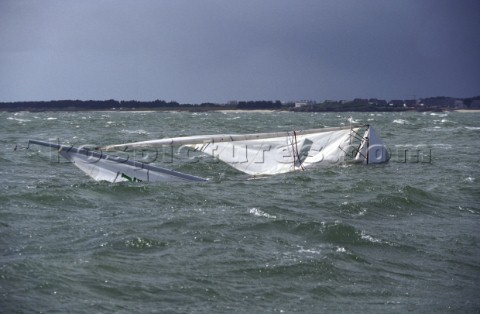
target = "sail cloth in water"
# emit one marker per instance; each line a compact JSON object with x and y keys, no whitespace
{"x":280,"y":154}
{"x":103,"y":167}
{"x":274,"y":153}
{"x":371,"y":150}
{"x":254,"y":154}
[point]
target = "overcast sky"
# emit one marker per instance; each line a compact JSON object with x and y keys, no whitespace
{"x":194,"y":51}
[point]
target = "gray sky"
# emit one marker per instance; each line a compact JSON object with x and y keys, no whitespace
{"x":195,"y":51}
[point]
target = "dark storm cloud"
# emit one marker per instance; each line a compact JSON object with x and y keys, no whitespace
{"x":195,"y":51}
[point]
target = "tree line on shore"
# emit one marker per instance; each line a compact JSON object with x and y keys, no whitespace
{"x":433,"y":103}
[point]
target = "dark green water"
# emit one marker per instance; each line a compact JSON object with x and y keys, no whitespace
{"x":398,"y":237}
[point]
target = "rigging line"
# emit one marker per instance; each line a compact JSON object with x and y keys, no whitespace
{"x":368,"y":146}
{"x":357,"y":136}
{"x":293,"y":151}
{"x":341,"y":148}
{"x":296,"y":146}
{"x":360,"y":145}
{"x":351,"y":129}
{"x":362,"y":139}
{"x":357,"y":150}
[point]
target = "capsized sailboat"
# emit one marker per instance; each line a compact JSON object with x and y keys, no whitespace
{"x":254,"y":154}
{"x":104,"y":167}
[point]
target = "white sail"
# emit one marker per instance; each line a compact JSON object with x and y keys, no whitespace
{"x":102,"y":167}
{"x":280,"y":154}
{"x":254,"y":154}
{"x":266,"y":153}
{"x":216,"y":138}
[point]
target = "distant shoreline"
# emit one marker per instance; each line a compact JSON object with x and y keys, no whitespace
{"x":231,"y":110}
{"x":220,"y":110}
{"x":433,"y":104}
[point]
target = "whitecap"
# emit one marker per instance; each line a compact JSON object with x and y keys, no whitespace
{"x":466,"y":209}
{"x":351,"y":120}
{"x":259,"y":213}
{"x":436,"y":129}
{"x":441,"y":145}
{"x":140,"y":132}
{"x":18,"y":120}
{"x":400,"y":121}
{"x":362,"y":212}
{"x":369,"y":238}
{"x":302,"y":250}
{"x":439,"y":114}
{"x":424,"y":146}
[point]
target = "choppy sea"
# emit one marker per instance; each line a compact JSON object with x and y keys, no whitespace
{"x":392,"y":238}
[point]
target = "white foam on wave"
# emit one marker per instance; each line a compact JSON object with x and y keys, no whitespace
{"x":362,"y":212}
{"x":439,"y":114}
{"x":466,"y":209}
{"x":369,"y":238}
{"x":320,"y":250}
{"x":18,"y":119}
{"x":424,"y":146}
{"x":311,"y":251}
{"x":140,"y":132}
{"x":442,"y":121}
{"x":259,"y":213}
{"x":400,"y":121}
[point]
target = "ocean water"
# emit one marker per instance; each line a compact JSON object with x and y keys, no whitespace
{"x":397,"y":237}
